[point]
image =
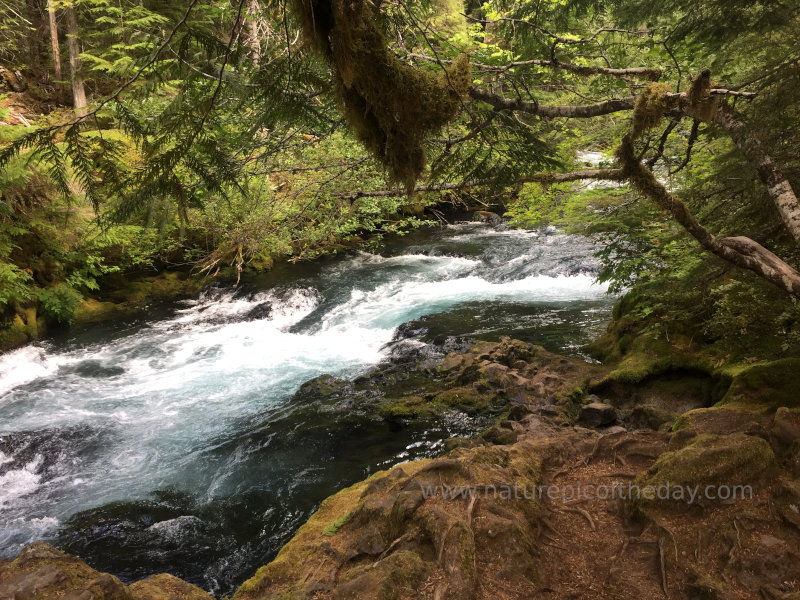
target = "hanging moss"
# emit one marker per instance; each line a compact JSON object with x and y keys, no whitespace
{"x":702,"y":103}
{"x":650,"y":107}
{"x":390,"y":106}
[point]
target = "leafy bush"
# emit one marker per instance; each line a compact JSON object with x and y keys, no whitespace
{"x":58,"y":304}
{"x":14,"y":285}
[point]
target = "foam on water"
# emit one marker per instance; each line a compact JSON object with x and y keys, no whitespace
{"x":24,"y":365}
{"x":16,"y":483}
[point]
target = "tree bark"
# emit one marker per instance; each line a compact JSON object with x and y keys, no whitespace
{"x":74,"y":44}
{"x":778,"y":186}
{"x":252,"y":36}
{"x":604,"y":174}
{"x":534,"y":108}
{"x":740,"y":251}
{"x":56,"y":48}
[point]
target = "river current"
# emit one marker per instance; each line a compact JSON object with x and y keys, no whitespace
{"x":172,"y":441}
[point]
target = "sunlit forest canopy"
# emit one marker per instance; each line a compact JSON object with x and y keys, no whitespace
{"x":224,"y":136}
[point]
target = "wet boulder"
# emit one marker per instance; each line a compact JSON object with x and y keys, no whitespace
{"x":41,"y":572}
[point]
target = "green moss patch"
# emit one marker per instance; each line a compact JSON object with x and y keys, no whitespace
{"x":767,"y":386}
{"x":334,"y":527}
{"x":710,"y":460}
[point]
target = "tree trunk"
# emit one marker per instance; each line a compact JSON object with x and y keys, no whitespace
{"x":778,"y":186}
{"x":741,"y":251}
{"x":74,"y":44}
{"x":252,"y":36}
{"x":51,"y":12}
{"x":35,"y":37}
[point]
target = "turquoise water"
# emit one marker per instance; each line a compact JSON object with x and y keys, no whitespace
{"x":171,"y":442}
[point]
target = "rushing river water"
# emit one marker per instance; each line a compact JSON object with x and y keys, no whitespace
{"x":173,"y":443}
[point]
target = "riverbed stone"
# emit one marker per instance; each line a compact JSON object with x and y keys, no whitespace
{"x":597,"y":414}
{"x":786,"y":426}
{"x":41,"y":572}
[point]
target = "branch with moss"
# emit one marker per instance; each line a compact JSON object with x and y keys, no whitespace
{"x":644,"y":72}
{"x":740,"y":251}
{"x":599,"y":174}
{"x":585,"y":111}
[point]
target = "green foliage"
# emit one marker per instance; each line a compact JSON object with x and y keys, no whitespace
{"x":219,"y":147}
{"x":58,"y":304}
{"x":15,"y":285}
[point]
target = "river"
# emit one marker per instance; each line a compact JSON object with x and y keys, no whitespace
{"x":173,"y":441}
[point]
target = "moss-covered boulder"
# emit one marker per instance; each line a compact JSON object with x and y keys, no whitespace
{"x":418,"y":530}
{"x":719,"y":421}
{"x":166,"y":587}
{"x":767,"y":385}
{"x":21,"y":328}
{"x":707,"y":463}
{"x":41,"y":572}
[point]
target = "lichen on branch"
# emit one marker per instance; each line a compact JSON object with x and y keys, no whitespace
{"x":389,"y":105}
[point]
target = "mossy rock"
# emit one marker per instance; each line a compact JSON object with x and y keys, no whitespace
{"x":766,"y":386}
{"x":323,"y":386}
{"x":166,"y":587}
{"x":717,"y":420}
{"x":468,"y":399}
{"x":289,"y":573}
{"x":24,"y":327}
{"x":13,"y":335}
{"x":394,"y":577}
{"x":41,"y":572}
{"x":708,"y":460}
{"x":410,"y":407}
{"x":94,"y":311}
{"x":465,"y":399}
{"x":167,"y":284}
{"x":652,"y":417}
{"x":334,"y":527}
{"x":646,"y":357}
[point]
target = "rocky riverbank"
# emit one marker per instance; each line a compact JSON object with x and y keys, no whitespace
{"x":537,"y":507}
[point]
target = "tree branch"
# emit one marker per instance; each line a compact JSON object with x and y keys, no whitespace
{"x":601,"y":174}
{"x":554,"y":111}
{"x":771,"y":175}
{"x":647,"y":73}
{"x":741,"y":251}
